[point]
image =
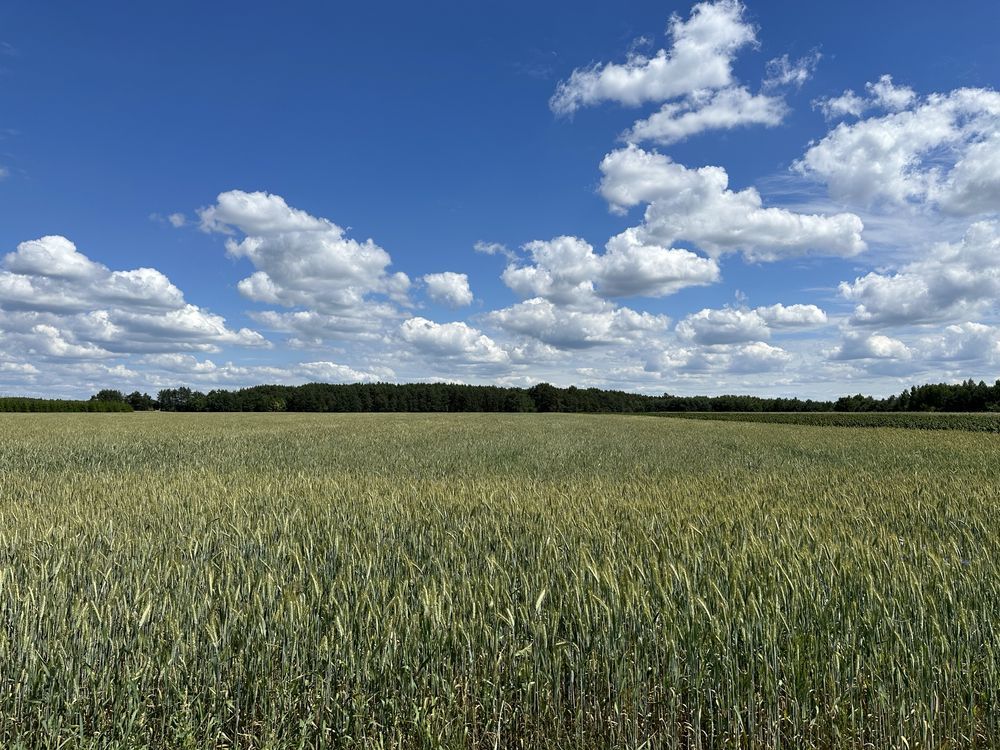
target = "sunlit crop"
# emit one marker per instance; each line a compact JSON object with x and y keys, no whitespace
{"x":531,"y":581}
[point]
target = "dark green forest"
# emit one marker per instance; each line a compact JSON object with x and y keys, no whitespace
{"x":21,"y":404}
{"x":969,"y":396}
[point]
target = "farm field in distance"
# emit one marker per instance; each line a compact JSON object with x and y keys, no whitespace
{"x":484,"y":580}
{"x":969,"y":421}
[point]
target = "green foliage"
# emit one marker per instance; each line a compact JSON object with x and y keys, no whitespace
{"x":108,"y":394}
{"x":909,"y":420}
{"x":479,"y":581}
{"x":41,"y":405}
{"x":141,"y":401}
{"x":452,"y":397}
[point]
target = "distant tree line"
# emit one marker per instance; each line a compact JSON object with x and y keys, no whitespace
{"x":969,"y":396}
{"x":21,"y":404}
{"x":448,"y":397}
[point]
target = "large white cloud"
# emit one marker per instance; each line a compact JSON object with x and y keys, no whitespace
{"x":367,"y":322}
{"x":953,"y":281}
{"x":962,"y":343}
{"x":758,"y":356}
{"x":563,"y":271}
{"x":857,"y":345}
{"x":52,"y":257}
{"x":634,"y":268}
{"x":259,"y":213}
{"x":700,"y":57}
{"x":719,"y":359}
{"x":455,"y":340}
{"x":567,"y":328}
{"x":449,"y":288}
{"x":49,"y":341}
{"x":567,"y":271}
{"x":792,"y":316}
{"x":724,"y":326}
{"x":693,"y":80}
{"x":720,"y":110}
{"x":55,"y":302}
{"x":734,"y":325}
{"x":941,"y":151}
{"x":305,"y":262}
{"x":566,"y":285}
{"x":696,"y":205}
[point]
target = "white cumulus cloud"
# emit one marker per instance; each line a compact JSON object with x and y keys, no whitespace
{"x":305,"y":262}
{"x":455,"y":340}
{"x":940,"y":151}
{"x":693,"y":80}
{"x":696,"y":205}
{"x":953,"y":281}
{"x":729,"y":325}
{"x":56,"y":302}
{"x":567,"y":271}
{"x":449,"y":288}
{"x":792,"y":316}
{"x":720,"y":110}
{"x":700,"y":57}
{"x":719,"y":359}
{"x":871,"y":346}
{"x":566,"y":328}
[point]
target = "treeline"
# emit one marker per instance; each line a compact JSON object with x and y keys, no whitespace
{"x":411,"y":397}
{"x":442,"y":397}
{"x":969,"y":396}
{"x":20,"y":404}
{"x":448,"y":397}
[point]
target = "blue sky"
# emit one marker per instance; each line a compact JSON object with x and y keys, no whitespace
{"x":770,"y":197}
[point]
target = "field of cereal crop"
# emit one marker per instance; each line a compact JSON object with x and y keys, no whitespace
{"x":537,"y":581}
{"x":971,"y":422}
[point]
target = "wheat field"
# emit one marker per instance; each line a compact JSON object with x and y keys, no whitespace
{"x":495,"y":581}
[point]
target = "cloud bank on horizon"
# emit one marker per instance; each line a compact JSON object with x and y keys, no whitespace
{"x":880,"y":254}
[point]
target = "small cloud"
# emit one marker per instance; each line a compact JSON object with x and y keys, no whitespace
{"x":783,"y":72}
{"x":4,"y":173}
{"x":176,"y":220}
{"x":699,"y":58}
{"x":835,"y":107}
{"x":494,"y":248}
{"x":449,"y":288}
{"x":882,"y":94}
{"x":7,"y":49}
{"x":640,"y":43}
